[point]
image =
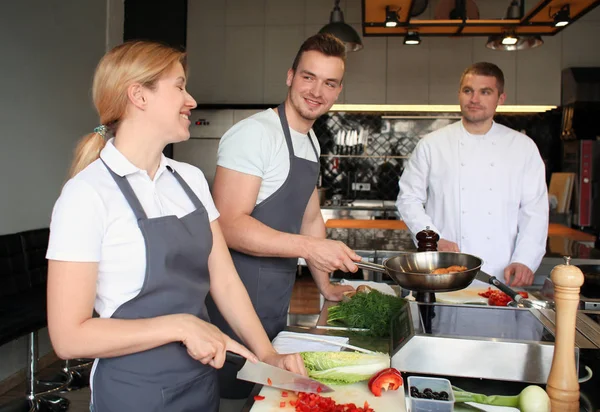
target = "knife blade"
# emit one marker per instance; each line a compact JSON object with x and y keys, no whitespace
{"x":269,"y":375}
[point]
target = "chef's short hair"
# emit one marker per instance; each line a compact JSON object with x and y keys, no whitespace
{"x":486,"y":69}
{"x":324,"y":43}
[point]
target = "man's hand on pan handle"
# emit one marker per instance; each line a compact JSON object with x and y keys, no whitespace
{"x":330,"y":255}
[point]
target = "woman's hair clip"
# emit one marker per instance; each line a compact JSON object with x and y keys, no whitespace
{"x":101,"y":130}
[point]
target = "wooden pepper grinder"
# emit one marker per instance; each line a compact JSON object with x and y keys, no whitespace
{"x":563,"y":386}
{"x":427,"y":240}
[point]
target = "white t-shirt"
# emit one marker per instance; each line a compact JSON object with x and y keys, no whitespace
{"x":257,"y":146}
{"x":92,"y":221}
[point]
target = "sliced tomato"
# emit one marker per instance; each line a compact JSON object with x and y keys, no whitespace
{"x":269,"y":381}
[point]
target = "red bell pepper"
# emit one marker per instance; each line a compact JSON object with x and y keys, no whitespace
{"x":388,"y":379}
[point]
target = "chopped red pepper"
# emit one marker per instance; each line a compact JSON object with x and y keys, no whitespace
{"x":258,"y":397}
{"x":269,"y":381}
{"x":319,"y":389}
{"x":309,"y":402}
{"x":284,"y":394}
{"x":282,"y":404}
{"x":499,"y":298}
{"x":388,"y":379}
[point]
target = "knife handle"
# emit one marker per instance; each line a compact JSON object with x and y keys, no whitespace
{"x":235,"y":359}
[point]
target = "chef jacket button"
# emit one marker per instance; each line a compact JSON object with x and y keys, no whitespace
{"x":492,"y":164}
{"x":463,"y":237}
{"x":462,"y":188}
{"x":490,"y":189}
{"x":488,"y":238}
{"x":462,"y":164}
{"x":489,"y":213}
{"x":463,"y":212}
{"x":494,"y":143}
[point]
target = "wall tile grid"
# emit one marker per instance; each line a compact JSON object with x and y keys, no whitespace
{"x":389,"y":139}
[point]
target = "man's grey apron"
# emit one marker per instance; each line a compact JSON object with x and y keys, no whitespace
{"x":270,"y":280}
{"x":165,"y":378}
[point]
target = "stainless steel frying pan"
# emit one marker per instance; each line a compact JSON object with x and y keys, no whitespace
{"x":412,"y":271}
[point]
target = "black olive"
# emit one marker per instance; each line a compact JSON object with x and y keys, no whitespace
{"x":427,"y":390}
{"x":444,"y":395}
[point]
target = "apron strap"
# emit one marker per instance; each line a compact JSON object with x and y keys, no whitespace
{"x":313,"y":146}
{"x":129,"y":194}
{"x":286,"y":131}
{"x":286,"y":128}
{"x":188,"y":190}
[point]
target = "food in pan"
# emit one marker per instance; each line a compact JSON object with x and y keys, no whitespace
{"x":449,"y":269}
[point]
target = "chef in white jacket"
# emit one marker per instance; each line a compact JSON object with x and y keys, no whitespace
{"x":480,"y":185}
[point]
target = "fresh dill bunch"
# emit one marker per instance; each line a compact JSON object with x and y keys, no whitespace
{"x":373,"y":311}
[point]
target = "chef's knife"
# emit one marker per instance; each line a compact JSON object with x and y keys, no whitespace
{"x":268,"y":375}
{"x":528,"y":303}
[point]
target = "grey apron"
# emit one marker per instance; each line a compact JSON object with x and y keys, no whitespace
{"x":165,"y":378}
{"x":270,"y":280}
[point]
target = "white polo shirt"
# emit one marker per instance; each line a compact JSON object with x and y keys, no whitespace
{"x":92,"y":221}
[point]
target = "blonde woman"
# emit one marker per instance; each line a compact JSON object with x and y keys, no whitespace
{"x":135,"y":236}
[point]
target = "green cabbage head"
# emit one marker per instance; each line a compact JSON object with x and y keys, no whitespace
{"x":343,"y":367}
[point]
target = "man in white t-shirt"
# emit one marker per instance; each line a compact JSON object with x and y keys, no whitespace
{"x":480,"y":185}
{"x":265,"y":191}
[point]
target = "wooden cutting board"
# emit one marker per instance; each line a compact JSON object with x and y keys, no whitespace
{"x":468,"y":295}
{"x":356,"y":393}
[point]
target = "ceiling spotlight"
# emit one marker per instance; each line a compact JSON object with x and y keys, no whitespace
{"x":391,"y":17}
{"x":341,"y":30}
{"x":510,"y":42}
{"x":412,"y":38}
{"x":563,"y":16}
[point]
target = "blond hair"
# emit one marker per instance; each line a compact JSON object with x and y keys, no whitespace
{"x":133,"y":62}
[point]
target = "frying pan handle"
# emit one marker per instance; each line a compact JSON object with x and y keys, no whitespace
{"x":371,"y":266}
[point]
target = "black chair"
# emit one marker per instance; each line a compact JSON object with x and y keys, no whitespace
{"x":23,"y":312}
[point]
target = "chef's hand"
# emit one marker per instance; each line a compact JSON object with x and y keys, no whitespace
{"x":292,"y":362}
{"x":207,"y":344}
{"x":521,"y":275}
{"x":334,"y":292}
{"x":447,"y":246}
{"x":329,"y":255}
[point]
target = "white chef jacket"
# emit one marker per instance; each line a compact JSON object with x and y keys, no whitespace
{"x":486,"y":192}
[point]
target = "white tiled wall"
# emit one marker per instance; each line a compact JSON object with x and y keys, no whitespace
{"x":240,"y":50}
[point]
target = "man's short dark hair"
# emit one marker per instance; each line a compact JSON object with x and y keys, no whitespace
{"x":486,"y":69}
{"x":324,"y":43}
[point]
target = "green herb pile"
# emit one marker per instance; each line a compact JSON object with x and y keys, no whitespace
{"x":373,"y":311}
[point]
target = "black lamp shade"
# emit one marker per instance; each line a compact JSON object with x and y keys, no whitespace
{"x":342,"y":31}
